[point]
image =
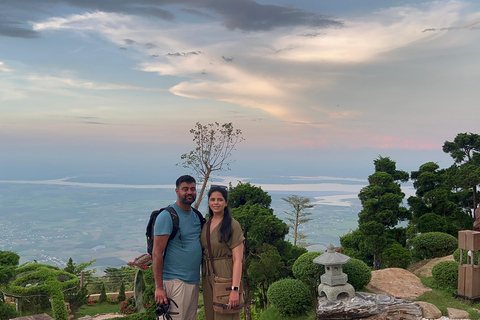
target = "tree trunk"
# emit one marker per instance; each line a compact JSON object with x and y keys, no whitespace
{"x":247,"y":309}
{"x":204,"y":186}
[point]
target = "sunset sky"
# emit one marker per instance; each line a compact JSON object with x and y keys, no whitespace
{"x":319,"y":88}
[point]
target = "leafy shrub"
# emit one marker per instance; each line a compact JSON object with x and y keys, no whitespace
{"x":433,"y":245}
{"x":445,"y":274}
{"x":290,"y":296}
{"x":308,"y":272}
{"x":456,"y":256}
{"x":396,"y":256}
{"x":121,"y":294}
{"x":7,"y":311}
{"x":103,"y":295}
{"x":359,"y":274}
{"x":128,"y":306}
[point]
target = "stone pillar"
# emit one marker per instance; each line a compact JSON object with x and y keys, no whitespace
{"x":469,"y":273}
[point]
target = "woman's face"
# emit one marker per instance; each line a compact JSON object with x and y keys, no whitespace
{"x":217,"y":202}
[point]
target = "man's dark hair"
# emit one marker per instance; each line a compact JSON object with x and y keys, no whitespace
{"x":186,"y":178}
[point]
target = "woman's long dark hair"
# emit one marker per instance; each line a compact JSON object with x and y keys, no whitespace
{"x":226,"y":226}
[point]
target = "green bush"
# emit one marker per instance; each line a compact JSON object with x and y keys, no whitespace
{"x":359,"y":274}
{"x":396,"y":256}
{"x":290,"y":296}
{"x":308,"y":272}
{"x":445,"y":274}
{"x":456,"y":256}
{"x":7,"y":311}
{"x":121,"y":293}
{"x":431,"y":222}
{"x":433,"y":245}
{"x":103,"y":295}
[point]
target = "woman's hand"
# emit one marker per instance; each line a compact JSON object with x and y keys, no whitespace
{"x":234,"y":299}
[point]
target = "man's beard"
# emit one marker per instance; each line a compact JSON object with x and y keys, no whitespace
{"x":188,"y":200}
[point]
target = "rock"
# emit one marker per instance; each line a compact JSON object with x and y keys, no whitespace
{"x":424,"y":268}
{"x":369,"y":306}
{"x":41,"y":316}
{"x":457,"y":314}
{"x":429,"y":310}
{"x":85,"y":318}
{"x":397,"y":282}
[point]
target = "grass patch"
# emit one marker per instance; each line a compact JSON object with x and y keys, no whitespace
{"x":443,"y":298}
{"x":272,"y":313}
{"x":98,"y":308}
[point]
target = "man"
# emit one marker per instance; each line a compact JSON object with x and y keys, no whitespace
{"x":176,"y":263}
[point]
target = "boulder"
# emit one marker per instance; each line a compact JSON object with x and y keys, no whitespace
{"x":368,"y":306}
{"x":397,"y":282}
{"x":429,"y":310}
{"x":457,"y":314}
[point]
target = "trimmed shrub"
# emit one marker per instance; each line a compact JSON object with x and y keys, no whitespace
{"x":431,"y":222}
{"x":396,"y":256}
{"x":359,"y":274}
{"x":291,"y":297}
{"x":121,"y":294}
{"x":445,"y":274}
{"x":103,"y":295}
{"x":308,"y":272}
{"x":7,"y":311}
{"x":456,"y":256}
{"x":433,"y":245}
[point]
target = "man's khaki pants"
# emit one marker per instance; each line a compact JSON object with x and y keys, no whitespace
{"x":186,"y":297}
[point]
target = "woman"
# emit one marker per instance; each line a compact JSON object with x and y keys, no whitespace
{"x":226,"y":241}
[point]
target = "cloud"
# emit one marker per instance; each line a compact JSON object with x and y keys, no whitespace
{"x":4,"y":68}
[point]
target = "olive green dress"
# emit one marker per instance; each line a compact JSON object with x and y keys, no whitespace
{"x":222,"y":258}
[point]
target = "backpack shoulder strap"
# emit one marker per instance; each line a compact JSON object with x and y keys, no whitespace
{"x":175,"y":221}
{"x":200,"y":216}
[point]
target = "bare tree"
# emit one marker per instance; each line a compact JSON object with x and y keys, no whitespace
{"x":298,"y":214}
{"x":214,"y":146}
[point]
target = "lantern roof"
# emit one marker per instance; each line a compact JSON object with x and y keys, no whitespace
{"x":331,"y":257}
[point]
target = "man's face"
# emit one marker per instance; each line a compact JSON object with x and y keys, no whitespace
{"x":186,"y":193}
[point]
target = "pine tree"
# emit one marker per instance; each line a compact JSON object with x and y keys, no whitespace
{"x":121,"y":294}
{"x":103,"y":295}
{"x":298,"y":216}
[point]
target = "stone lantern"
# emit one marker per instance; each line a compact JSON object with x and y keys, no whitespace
{"x":334,"y":282}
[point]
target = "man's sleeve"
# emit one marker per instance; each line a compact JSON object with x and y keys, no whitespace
{"x":163,"y":224}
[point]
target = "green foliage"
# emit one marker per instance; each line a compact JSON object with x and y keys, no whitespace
{"x":431,"y":222}
{"x":290,"y":296}
{"x":309,"y":272}
{"x":103,"y":295}
{"x":359,"y":274}
{"x":128,"y":306}
{"x":272,"y":313}
{"x":456,"y":256}
{"x":7,"y":311}
{"x":244,"y":193}
{"x":9,"y":258}
{"x":77,"y":297}
{"x":445,"y":274}
{"x":432,"y":245}
{"x":396,"y":256}
{"x":121,"y":293}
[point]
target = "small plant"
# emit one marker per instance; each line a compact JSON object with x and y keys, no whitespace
{"x":359,"y":274}
{"x":128,"y":306}
{"x":291,"y":297}
{"x":112,"y":300}
{"x":90,"y":302}
{"x":445,"y":274}
{"x":103,"y":295}
{"x":433,"y":245}
{"x":121,"y":293}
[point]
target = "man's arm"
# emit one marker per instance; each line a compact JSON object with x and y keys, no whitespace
{"x":159,"y":245}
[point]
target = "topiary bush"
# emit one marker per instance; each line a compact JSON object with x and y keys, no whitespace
{"x":291,"y":297}
{"x":103,"y":295}
{"x":432,"y":245}
{"x":359,"y":274}
{"x":396,"y":256}
{"x":456,"y":256}
{"x":308,"y":272}
{"x":445,"y":274}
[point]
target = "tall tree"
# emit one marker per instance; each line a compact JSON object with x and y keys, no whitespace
{"x":465,"y":151}
{"x":214,"y":146}
{"x":264,"y":241}
{"x":382,"y":210}
{"x":298,"y":215}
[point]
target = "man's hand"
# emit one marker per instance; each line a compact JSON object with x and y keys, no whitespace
{"x":161,"y":296}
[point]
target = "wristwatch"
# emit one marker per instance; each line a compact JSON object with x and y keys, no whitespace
{"x":235,"y":288}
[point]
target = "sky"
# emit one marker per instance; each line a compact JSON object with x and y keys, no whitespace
{"x":318,"y":88}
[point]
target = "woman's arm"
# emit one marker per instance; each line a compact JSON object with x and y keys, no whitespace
{"x":237,"y":255}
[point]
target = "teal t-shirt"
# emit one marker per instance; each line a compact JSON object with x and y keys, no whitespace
{"x":184,"y":252}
